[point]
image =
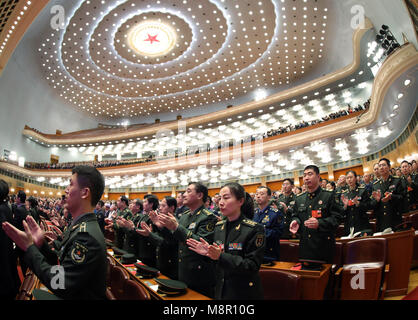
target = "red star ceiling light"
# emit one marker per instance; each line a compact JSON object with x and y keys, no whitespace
{"x":152,"y":38}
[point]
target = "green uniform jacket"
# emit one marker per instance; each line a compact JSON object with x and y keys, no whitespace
{"x":237,"y":269}
{"x":411,"y":192}
{"x":289,"y":201}
{"x":317,"y":244}
{"x":81,"y":254}
{"x":195,"y":270}
{"x":119,"y":232}
{"x":389,"y":214}
{"x":356,"y":217}
{"x":166,"y":252}
{"x":139,"y":245}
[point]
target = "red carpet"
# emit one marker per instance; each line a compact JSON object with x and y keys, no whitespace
{"x":413,"y":295}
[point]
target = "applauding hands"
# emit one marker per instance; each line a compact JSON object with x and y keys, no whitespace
{"x":203,"y":248}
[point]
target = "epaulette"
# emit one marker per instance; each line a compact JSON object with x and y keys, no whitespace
{"x":83,"y":227}
{"x":220,"y":222}
{"x":376,"y":181}
{"x":208,"y":212}
{"x":397,"y":177}
{"x":362,"y":186}
{"x":298,"y":195}
{"x":344,"y":191}
{"x":249,"y":222}
{"x":186,"y":212}
{"x":274,"y":209}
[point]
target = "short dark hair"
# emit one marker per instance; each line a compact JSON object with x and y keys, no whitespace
{"x":386,"y":160}
{"x":90,"y":177}
{"x":171,"y":202}
{"x":125,"y":199}
{"x":100,"y":203}
{"x":138,"y":202}
{"x":312,"y":167}
{"x":22,"y":196}
{"x":410,"y":164}
{"x":290,"y":181}
{"x":4,"y":190}
{"x":267,"y":188}
{"x":351,"y":171}
{"x":200,"y":188}
{"x":152,"y":198}
{"x":33,"y":202}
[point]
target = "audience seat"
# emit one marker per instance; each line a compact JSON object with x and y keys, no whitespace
{"x":289,"y":251}
{"x":118,"y":276}
{"x":413,"y":218}
{"x":27,"y":286}
{"x":340,"y":231}
{"x":369,"y":255}
{"x":110,"y":264}
{"x":134,"y":291}
{"x":280,"y":285}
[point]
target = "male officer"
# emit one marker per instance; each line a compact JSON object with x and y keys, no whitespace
{"x":410,"y":185}
{"x":287,"y":199}
{"x":316,"y":214}
{"x":125,"y":213}
{"x":195,"y":270}
{"x":387,"y":196}
{"x":272,"y":220}
{"x":76,"y":269}
{"x":181,"y":208}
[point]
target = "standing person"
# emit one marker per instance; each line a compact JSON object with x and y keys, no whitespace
{"x":215,"y":199}
{"x":272,"y":220}
{"x":287,"y":199}
{"x":410,"y":185}
{"x":19,"y":215}
{"x":387,"y":196}
{"x":368,"y":183}
{"x":376,"y":172}
{"x":317,"y":214}
{"x":356,"y":201}
{"x":125,"y":213}
{"x":166,"y":245}
{"x":100,"y":215}
{"x":9,"y":278}
{"x":80,"y":257}
{"x":194,"y":270}
{"x":238,"y":247}
{"x":341,"y":184}
{"x":181,"y":208}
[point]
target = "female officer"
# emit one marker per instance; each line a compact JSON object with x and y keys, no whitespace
{"x":238,"y":246}
{"x":356,"y":200}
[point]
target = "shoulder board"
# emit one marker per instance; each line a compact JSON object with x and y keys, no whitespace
{"x":187,"y":211}
{"x":274,"y":209}
{"x":343,"y":191}
{"x":362,"y":186}
{"x":396,"y":177}
{"x":298,"y":195}
{"x":376,"y":181}
{"x":220,"y":222}
{"x":249,"y":222}
{"x":207,"y":212}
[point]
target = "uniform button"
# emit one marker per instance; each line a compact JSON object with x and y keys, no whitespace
{"x":169,"y":260}
{"x":251,"y":284}
{"x":179,"y":260}
{"x":384,"y":207}
{"x":309,"y":235}
{"x":181,"y":251}
{"x":199,"y":267}
{"x":384,"y":214}
{"x":310,"y":206}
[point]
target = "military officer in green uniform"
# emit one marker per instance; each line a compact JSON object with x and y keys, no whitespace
{"x":238,"y":247}
{"x":287,"y":199}
{"x":193,"y":269}
{"x":141,"y":246}
{"x":126,"y":226}
{"x":341,"y":184}
{"x":317,"y":214}
{"x":76,"y":268}
{"x":410,"y":184}
{"x":166,"y":245}
{"x":387,"y":196}
{"x":122,"y":213}
{"x":356,"y":201}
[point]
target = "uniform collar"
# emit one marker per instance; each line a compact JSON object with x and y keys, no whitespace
{"x":82,"y":217}
{"x":312,"y":195}
{"x":265,"y":209}
{"x":197,"y":210}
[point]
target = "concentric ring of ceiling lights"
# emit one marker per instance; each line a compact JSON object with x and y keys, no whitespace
{"x":224,"y":49}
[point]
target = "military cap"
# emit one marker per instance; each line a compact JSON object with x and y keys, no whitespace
{"x":145,"y":272}
{"x":118,"y":252}
{"x":128,"y":258}
{"x":171,"y":287}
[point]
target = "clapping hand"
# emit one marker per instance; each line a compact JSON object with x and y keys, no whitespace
{"x":311,"y":223}
{"x":344,"y":199}
{"x":154,"y":218}
{"x":146,"y":229}
{"x":169,"y":221}
{"x":377,"y":195}
{"x":294,"y":227}
{"x":388,"y":196}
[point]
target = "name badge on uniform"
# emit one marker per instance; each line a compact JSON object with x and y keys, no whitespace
{"x":316,"y":213}
{"x":265,"y":219}
{"x":350,"y":203}
{"x":235,"y":246}
{"x":192,"y":225}
{"x":320,"y":202}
